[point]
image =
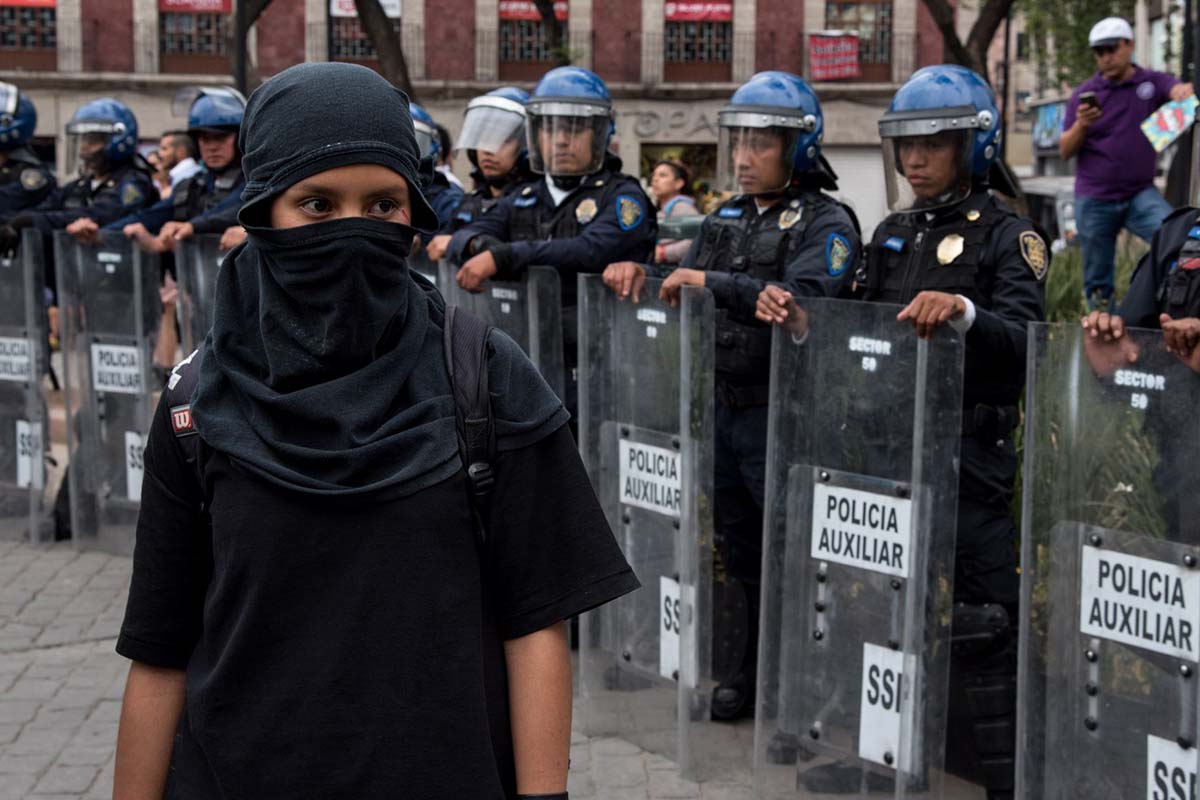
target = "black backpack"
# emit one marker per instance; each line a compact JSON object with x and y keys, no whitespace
{"x":465,"y":342}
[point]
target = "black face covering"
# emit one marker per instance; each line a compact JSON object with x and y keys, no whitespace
{"x":324,"y":371}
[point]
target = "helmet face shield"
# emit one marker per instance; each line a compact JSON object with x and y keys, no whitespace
{"x":489,"y":123}
{"x":756,"y":160}
{"x":8,"y":100}
{"x":87,"y":143}
{"x":927,"y":171}
{"x":426,"y":136}
{"x":567,"y":139}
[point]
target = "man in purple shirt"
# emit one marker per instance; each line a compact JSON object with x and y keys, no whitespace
{"x":1114,"y":176}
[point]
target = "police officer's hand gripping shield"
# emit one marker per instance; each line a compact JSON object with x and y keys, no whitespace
{"x":1110,"y":581}
{"x":860,"y":515}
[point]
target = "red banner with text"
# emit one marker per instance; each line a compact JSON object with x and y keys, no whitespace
{"x":526,"y":10}
{"x":832,"y":56}
{"x":698,"y":12}
{"x":195,"y":6}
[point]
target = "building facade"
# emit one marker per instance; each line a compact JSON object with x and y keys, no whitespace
{"x":670,"y":65}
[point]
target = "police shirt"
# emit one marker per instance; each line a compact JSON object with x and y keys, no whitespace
{"x":982,"y":250}
{"x":342,"y":647}
{"x":126,"y":189}
{"x":602,"y":220}
{"x":24,"y":181}
{"x":807,"y":243}
{"x":1167,"y":278}
{"x":209,"y":200}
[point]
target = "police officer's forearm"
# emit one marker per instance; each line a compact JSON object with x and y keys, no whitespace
{"x":1071,"y":140}
{"x":539,"y":699}
{"x":150,"y":711}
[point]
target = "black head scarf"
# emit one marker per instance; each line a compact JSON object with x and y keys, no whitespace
{"x":323,"y":371}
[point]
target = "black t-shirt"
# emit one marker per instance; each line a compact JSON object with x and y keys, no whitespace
{"x":352,"y":647}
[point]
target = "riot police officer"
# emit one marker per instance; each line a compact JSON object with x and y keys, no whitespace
{"x":954,"y":254}
{"x":582,"y":216}
{"x":24,"y":179}
{"x":442,"y":195}
{"x":114,"y":180}
{"x":782,"y":230}
{"x":493,"y":136}
{"x":208,"y":201}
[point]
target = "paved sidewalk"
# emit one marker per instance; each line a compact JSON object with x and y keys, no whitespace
{"x":61,"y":685}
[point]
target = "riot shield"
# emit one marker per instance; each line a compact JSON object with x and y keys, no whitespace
{"x":421,"y":265}
{"x":858,"y":561}
{"x":645,"y":433}
{"x":1110,"y":582}
{"x":110,"y":308}
{"x":196,"y":263}
{"x":529,"y":310}
{"x":23,"y":419}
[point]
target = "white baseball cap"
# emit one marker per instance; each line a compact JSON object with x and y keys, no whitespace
{"x":1109,"y":30}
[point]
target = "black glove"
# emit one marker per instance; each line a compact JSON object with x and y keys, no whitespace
{"x":10,"y":237}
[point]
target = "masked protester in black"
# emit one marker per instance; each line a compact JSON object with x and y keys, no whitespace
{"x":313,"y":610}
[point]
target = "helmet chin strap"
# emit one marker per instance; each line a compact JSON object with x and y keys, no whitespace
{"x":567,"y":182}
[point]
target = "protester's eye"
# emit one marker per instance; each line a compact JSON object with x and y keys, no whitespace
{"x":316,"y":206}
{"x":384,"y":208}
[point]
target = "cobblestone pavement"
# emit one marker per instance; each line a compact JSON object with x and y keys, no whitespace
{"x":61,"y":685}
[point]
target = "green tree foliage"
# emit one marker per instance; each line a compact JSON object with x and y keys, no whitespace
{"x":1058,"y":35}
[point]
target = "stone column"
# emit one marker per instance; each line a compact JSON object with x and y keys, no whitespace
{"x":68,"y":22}
{"x":652,"y":41}
{"x":904,"y":39}
{"x":316,"y":30}
{"x":145,"y":36}
{"x":487,"y":31}
{"x":412,"y":35}
{"x":579,"y":32}
{"x":745,"y":16}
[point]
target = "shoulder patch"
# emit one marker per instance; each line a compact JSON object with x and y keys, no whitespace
{"x":525,"y":201}
{"x":1033,"y":250}
{"x":181,"y":420}
{"x":32,"y":179}
{"x":629,"y":212}
{"x":837,"y":254}
{"x":894,"y":243}
{"x":730,"y":212}
{"x":131,"y":194}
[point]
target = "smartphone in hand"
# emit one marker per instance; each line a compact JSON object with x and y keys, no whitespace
{"x":1088,"y":99}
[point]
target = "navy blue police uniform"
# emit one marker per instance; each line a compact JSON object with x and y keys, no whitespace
{"x":24,"y":181}
{"x":209,"y":200}
{"x":1167,"y":278}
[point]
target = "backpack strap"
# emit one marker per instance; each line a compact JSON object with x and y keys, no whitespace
{"x":181,"y":385}
{"x":466,"y":352}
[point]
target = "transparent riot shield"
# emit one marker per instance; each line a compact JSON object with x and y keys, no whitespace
{"x":421,"y":265}
{"x":645,"y":431}
{"x":110,"y":307}
{"x":1110,"y":581}
{"x":196,"y":263}
{"x":23,"y":418}
{"x":858,"y":561}
{"x":529,"y":310}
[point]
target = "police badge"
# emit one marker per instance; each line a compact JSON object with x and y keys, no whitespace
{"x":949,"y":248}
{"x":585,"y":212}
{"x":789,"y":218}
{"x":32,"y":179}
{"x":1033,"y":250}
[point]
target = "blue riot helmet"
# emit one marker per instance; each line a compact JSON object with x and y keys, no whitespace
{"x":426,"y":130}
{"x":18,"y":118}
{"x":215,"y":109}
{"x":770,"y":132}
{"x":569,"y":123}
{"x":943,"y":108}
{"x":494,"y":123}
{"x":101,"y":134}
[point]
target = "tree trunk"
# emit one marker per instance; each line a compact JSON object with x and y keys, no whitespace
{"x":379,"y":29}
{"x":558,"y":48}
{"x":973,"y":53}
